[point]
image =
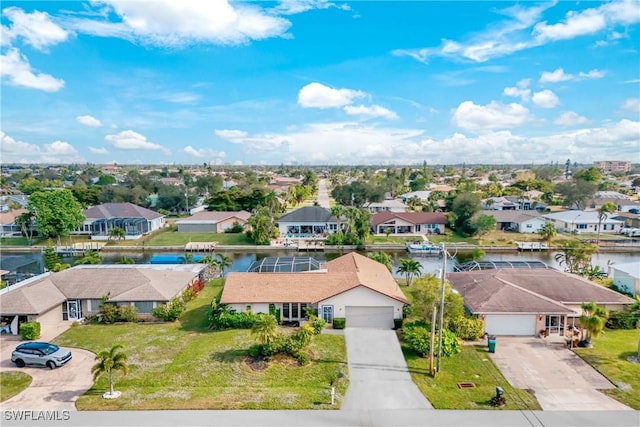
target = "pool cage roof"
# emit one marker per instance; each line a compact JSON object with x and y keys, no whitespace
{"x":492,"y":265}
{"x":284,"y":264}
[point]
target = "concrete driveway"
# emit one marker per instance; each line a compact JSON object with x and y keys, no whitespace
{"x":560,"y":379}
{"x":50,"y":389}
{"x":378,"y":374}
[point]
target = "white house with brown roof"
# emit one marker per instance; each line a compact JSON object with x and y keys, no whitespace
{"x":133,"y":219}
{"x":352,"y":286}
{"x":408,"y":223}
{"x":73,"y":294}
{"x":517,"y":220}
{"x":523,"y":301}
{"x":213,"y":222}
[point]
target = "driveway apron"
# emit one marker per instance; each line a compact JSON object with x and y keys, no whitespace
{"x":560,"y":379}
{"x":378,"y":374}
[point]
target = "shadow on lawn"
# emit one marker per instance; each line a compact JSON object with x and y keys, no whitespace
{"x":228,"y":356}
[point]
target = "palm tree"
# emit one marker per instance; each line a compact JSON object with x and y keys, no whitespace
{"x":338,"y":211}
{"x":410,"y":268}
{"x":117,"y":233}
{"x":382,"y":258}
{"x":224,"y":262}
{"x":548,"y":232}
{"x":593,"y":319}
{"x":265,"y":329}
{"x":603,"y":213}
{"x":109,"y":361}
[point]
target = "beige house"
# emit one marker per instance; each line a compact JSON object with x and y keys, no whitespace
{"x":522,"y":301}
{"x":213,"y":222}
{"x":353,"y":287}
{"x":73,"y":294}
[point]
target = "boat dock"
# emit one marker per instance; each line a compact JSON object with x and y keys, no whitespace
{"x":532,"y":246}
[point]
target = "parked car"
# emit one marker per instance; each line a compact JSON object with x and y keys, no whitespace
{"x":40,"y":354}
{"x":634,"y":211}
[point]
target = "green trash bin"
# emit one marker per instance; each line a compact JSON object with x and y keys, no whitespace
{"x":492,"y":345}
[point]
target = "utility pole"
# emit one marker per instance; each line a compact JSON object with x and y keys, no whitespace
{"x":444,"y":270}
{"x":434,"y":312}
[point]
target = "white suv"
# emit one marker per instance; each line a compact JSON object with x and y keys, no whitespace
{"x":40,"y":354}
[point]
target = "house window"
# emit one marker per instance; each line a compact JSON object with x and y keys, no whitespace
{"x":333,"y":227}
{"x":144,"y":307}
{"x":294,"y":311}
{"x":529,"y":225}
{"x":417,"y":227}
{"x":94,"y":305}
{"x":285,"y":310}
{"x":581,"y":226}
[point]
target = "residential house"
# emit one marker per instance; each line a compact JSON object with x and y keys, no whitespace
{"x":133,"y":219}
{"x":577,"y":221}
{"x":626,"y":277}
{"x":19,"y":267}
{"x":630,"y":220}
{"x":309,"y":221}
{"x":13,"y":201}
{"x":525,"y":301}
{"x":388,"y":205}
{"x":519,"y":221}
{"x":176,"y":182}
{"x":404,"y":223}
{"x":212,"y":222}
{"x":352,"y":286}
{"x":613,"y":165}
{"x":423,"y":195}
{"x":622,"y":204}
{"x":71,"y":295}
{"x":8,"y":226}
{"x":510,"y":203}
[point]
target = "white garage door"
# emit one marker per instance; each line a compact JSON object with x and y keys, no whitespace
{"x":369,"y":317}
{"x":510,"y":324}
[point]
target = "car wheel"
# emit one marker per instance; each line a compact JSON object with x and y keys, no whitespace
{"x":51,"y":365}
{"x":20,"y":363}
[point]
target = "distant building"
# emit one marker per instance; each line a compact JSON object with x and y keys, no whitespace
{"x":613,"y":166}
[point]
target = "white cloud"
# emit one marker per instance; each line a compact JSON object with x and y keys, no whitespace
{"x":291,"y":7}
{"x":491,"y":116}
{"x":632,"y":104}
{"x":177,"y":24}
{"x":558,"y":75}
{"x":522,"y":31}
{"x":23,"y":152}
{"x":36,"y":29}
{"x":16,"y":68}
{"x":89,"y":121}
{"x":370,"y":111}
{"x":100,"y":150}
{"x":317,"y":95}
{"x":130,"y":140}
{"x":521,"y":90}
{"x":545,"y":99}
{"x":204,"y":152}
{"x":570,"y":118}
{"x":230,"y":133}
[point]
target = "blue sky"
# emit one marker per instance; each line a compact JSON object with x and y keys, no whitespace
{"x":320,"y":82}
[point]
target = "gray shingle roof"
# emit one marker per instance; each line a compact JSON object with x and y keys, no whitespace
{"x":309,"y":214}
{"x":120,"y":210}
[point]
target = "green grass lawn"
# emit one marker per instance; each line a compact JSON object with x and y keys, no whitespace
{"x":183,"y":365}
{"x":12,"y":383}
{"x":173,"y":238}
{"x":609,"y":356}
{"x":473,"y":365}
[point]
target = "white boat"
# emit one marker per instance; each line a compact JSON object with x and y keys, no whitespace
{"x":532,"y":246}
{"x":424,"y":248}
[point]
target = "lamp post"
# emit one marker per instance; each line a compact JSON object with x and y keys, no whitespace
{"x":441,"y":320}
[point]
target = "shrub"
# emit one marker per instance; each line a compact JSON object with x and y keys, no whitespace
{"x":236,"y":228}
{"x":623,"y":320}
{"x":109,"y":313}
{"x":467,"y":328}
{"x":128,"y":313}
{"x":302,"y":358}
{"x":188,"y":295}
{"x":318,"y":325}
{"x":30,"y":330}
{"x":339,"y":323}
{"x":171,"y":311}
{"x":417,"y":338}
{"x":221,"y":316}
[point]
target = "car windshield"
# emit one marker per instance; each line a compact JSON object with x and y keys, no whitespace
{"x":50,"y":349}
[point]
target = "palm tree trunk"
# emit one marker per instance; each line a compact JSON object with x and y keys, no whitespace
{"x":110,"y":383}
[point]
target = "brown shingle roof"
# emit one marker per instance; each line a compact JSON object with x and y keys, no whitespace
{"x":412,"y":217}
{"x":120,"y":210}
{"x":7,"y":218}
{"x":526,"y":290}
{"x":342,"y":274}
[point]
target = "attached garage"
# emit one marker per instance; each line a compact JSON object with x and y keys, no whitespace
{"x":369,"y":317}
{"x":510,"y":324}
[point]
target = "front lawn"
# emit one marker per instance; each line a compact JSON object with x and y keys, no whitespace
{"x":12,"y":383}
{"x":183,"y":365}
{"x":609,"y":356}
{"x":174,"y":238}
{"x":472,"y":365}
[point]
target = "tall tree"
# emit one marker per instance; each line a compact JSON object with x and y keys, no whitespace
{"x":603,"y":213}
{"x":57,"y":212}
{"x":383,"y":258}
{"x":593,"y":319}
{"x":576,"y":193}
{"x":109,"y":361}
{"x":409,"y":268}
{"x":576,"y":256}
{"x":263,"y":226}
{"x":464,"y":207}
{"x":224,"y":262}
{"x":548,"y":232}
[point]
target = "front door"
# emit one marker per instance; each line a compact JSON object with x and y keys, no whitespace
{"x":553,"y":324}
{"x":72,"y":310}
{"x":327,"y":313}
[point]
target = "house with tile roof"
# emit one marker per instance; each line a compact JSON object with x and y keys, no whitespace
{"x":72,"y":294}
{"x":133,"y":219}
{"x":524,"y":301}
{"x":212,"y":221}
{"x":408,"y":223}
{"x":352,"y":286}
